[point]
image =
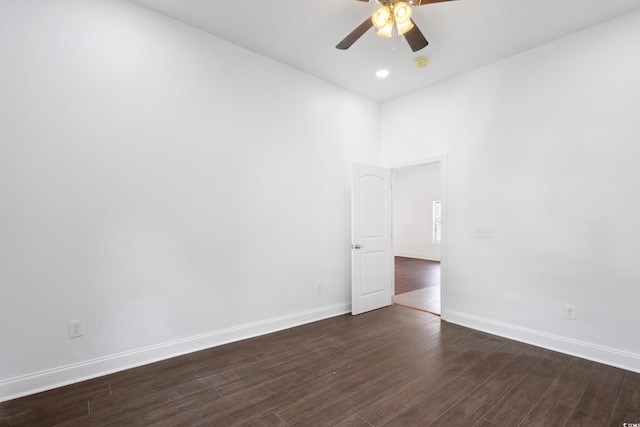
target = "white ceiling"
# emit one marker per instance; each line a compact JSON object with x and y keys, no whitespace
{"x":464,"y":35}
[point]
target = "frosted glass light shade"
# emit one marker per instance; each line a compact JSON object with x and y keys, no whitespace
{"x":381,"y":17}
{"x":402,"y":13}
{"x":387,"y":30}
{"x":403,"y":28}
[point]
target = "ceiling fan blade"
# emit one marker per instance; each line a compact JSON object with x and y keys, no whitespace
{"x":423,"y":2}
{"x":355,"y":35}
{"x":415,"y":38}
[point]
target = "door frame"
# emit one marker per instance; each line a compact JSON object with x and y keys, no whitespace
{"x":442,"y":160}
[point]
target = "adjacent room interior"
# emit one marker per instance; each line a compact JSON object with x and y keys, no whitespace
{"x":417,"y":198}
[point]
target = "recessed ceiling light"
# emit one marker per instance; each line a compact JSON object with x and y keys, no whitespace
{"x":382,"y":73}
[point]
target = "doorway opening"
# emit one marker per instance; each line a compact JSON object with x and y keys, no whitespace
{"x":417,"y":200}
{"x":417,"y":284}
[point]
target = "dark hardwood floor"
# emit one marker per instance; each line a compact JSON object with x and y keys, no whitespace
{"x":394,"y":366}
{"x":413,"y":274}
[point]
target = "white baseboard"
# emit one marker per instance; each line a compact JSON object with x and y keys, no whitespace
{"x":418,"y":255}
{"x":64,"y":375}
{"x":584,"y":350}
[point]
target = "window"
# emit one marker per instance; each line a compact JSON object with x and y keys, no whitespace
{"x":437,"y":221}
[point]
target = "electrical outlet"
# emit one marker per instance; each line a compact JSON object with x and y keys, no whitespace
{"x":570,"y":312}
{"x":319,"y":288}
{"x":75,"y":328}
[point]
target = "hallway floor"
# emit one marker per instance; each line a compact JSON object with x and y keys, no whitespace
{"x":427,"y":299}
{"x":417,"y":284}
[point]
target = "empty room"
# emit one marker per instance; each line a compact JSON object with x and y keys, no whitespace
{"x":196,"y":212}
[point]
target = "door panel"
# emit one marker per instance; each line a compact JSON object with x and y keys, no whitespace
{"x":372,"y":272}
{"x":372,"y":199}
{"x":371,"y":253}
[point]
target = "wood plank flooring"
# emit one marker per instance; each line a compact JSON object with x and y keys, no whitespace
{"x":393,"y":367}
{"x":417,"y":284}
{"x":427,"y":299}
{"x":412,"y":274}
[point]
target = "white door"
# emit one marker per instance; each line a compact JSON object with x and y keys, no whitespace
{"x":371,"y":247}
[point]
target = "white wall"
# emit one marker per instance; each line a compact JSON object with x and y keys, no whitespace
{"x":543,"y":148}
{"x":170,"y":189}
{"x":415,"y":188}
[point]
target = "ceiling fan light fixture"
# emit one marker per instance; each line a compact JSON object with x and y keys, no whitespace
{"x":381,"y":17}
{"x":403,"y":28}
{"x":402,"y":13}
{"x":387,"y":29}
{"x":393,"y":16}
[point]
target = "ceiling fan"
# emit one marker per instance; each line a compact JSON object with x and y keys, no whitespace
{"x":392,"y":12}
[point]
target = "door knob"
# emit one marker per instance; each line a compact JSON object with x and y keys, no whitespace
{"x":355,"y":246}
